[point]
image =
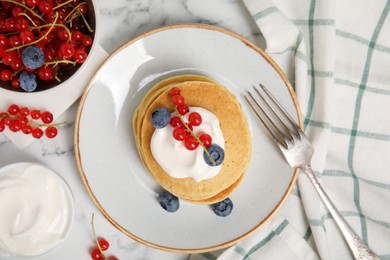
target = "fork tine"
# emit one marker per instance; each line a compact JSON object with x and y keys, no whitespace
{"x":282,"y":132}
{"x":280,"y":137}
{"x":292,"y":123}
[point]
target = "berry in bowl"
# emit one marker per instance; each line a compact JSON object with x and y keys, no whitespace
{"x":44,"y":42}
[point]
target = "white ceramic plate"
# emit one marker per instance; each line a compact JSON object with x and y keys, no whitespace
{"x":108,"y":161}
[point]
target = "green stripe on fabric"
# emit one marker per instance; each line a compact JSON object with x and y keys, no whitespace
{"x":264,"y":241}
{"x":304,"y":22}
{"x":338,"y":173}
{"x":241,"y":251}
{"x":361,"y":40}
{"x":328,"y":216}
{"x":311,"y":46}
{"x":356,"y":85}
{"x":321,"y":74}
{"x":296,"y":192}
{"x":345,"y":131}
{"x":208,"y":256}
{"x":351,"y":151}
{"x":265,"y":12}
{"x":308,"y":234}
{"x":369,"y":135}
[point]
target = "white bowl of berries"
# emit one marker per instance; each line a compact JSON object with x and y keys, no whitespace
{"x":49,"y":50}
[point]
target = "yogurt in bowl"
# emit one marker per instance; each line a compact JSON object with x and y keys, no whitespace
{"x":37,"y":210}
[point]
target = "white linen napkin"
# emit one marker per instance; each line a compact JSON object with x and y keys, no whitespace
{"x":340,"y":55}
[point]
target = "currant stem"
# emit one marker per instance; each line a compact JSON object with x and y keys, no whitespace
{"x":28,"y":17}
{"x":196,"y":138}
{"x":85,"y":21}
{"x":55,"y":124}
{"x":60,"y":61}
{"x":70,"y":15}
{"x":59,"y":25}
{"x":36,"y":41}
{"x":60,"y":5}
{"x":25,"y":7}
{"x":95,"y":237}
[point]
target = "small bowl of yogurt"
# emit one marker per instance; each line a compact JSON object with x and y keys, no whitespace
{"x":37,"y":210}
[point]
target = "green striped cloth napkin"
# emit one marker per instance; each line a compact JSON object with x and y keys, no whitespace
{"x":337,"y":56}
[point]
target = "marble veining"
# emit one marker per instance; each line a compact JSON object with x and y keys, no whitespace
{"x":121,"y":20}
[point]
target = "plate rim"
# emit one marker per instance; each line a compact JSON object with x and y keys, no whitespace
{"x":80,"y":165}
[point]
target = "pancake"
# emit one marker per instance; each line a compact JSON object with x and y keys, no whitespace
{"x":201,"y":92}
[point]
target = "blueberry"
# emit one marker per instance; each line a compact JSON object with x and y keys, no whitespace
{"x":168,"y":201}
{"x":216,"y":153}
{"x":223,"y":208}
{"x":27,"y":81}
{"x":160,"y":117}
{"x":33,"y":57}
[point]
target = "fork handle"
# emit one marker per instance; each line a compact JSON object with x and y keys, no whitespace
{"x":359,"y":249}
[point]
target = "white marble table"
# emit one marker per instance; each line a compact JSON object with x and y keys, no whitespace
{"x":121,"y":20}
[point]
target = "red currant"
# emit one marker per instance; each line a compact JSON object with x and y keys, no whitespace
{"x":104,"y":245}
{"x":24,"y":111}
{"x":178,"y":100}
{"x":46,"y":6}
{"x":6,"y":75}
{"x":174,"y":91}
{"x":37,"y":133}
{"x":47,"y":117}
{"x":67,"y":50}
{"x":23,"y":121}
{"x":51,"y":132}
{"x":175,"y":121}
{"x":190,"y":143}
{"x":9,"y":58}
{"x":35,"y":114}
{"x":112,"y":258}
{"x":195,"y":119}
{"x":15,"y":126}
{"x":2,"y":126}
{"x":77,"y":35}
{"x":27,"y":129}
{"x":7,"y":120}
{"x":46,"y":73}
{"x":179,"y":133}
{"x":80,"y":55}
{"x":96,"y":254}
{"x":27,"y":36}
{"x":206,"y":140}
{"x":13,"y":109}
{"x":63,"y":34}
{"x":183,"y":109}
{"x":32,"y":3}
{"x":86,"y":40}
{"x":3,"y":40}
{"x":15,"y":83}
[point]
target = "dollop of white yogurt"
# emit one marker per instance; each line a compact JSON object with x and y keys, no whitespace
{"x":36,"y":210}
{"x":176,"y":160}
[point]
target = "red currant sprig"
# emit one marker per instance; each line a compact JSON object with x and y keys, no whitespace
{"x":184,"y":131}
{"x":101,"y":246}
{"x":25,"y":120}
{"x":58,"y":27}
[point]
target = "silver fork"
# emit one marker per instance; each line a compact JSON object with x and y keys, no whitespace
{"x":298,"y":152}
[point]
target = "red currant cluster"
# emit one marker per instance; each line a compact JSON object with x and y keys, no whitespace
{"x":22,"y":119}
{"x":102,"y":245}
{"x":183,"y":131}
{"x":58,"y":28}
{"x":97,"y":252}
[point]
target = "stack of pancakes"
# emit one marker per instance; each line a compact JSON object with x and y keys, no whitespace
{"x":198,"y":91}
